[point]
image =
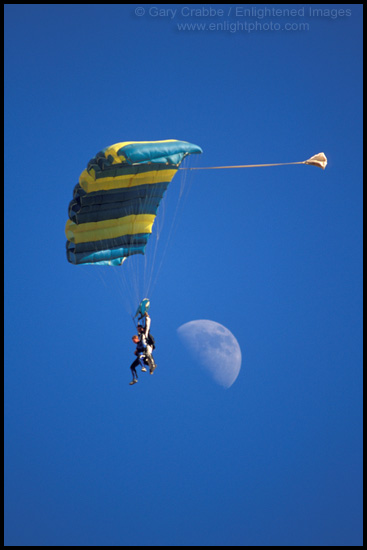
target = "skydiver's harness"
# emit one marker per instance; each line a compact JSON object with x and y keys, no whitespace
{"x":143,"y":355}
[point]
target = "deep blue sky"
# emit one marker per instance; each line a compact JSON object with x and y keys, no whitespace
{"x":273,"y":254}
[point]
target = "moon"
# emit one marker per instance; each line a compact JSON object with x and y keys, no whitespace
{"x":214,"y":347}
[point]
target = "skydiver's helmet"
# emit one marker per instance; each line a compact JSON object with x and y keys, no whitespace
{"x":135,"y":338}
{"x":140,"y":328}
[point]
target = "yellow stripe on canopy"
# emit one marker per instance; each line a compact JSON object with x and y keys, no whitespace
{"x":109,"y":229}
{"x":90,"y":184}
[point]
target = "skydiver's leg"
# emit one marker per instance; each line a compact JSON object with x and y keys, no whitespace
{"x":143,"y":362}
{"x":133,"y":369}
{"x":151,"y":362}
{"x":149,"y":358}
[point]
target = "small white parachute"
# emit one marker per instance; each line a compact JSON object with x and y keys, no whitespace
{"x":319,"y":160}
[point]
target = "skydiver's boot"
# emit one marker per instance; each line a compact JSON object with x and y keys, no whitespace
{"x":133,"y":381}
{"x":143,"y":369}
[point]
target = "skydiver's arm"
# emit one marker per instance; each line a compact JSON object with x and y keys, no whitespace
{"x":147,"y":326}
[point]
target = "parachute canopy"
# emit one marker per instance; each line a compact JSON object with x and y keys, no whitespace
{"x":116,"y":200}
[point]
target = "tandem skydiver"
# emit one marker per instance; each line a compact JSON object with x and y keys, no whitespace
{"x":144,"y":342}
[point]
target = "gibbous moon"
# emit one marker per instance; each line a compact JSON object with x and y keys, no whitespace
{"x":214,"y":347}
